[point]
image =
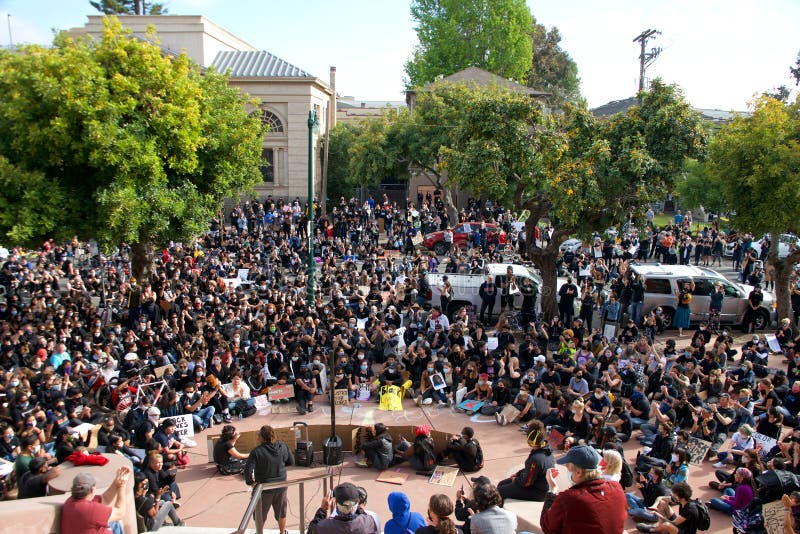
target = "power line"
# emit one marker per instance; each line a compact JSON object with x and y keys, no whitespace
{"x":645,"y":57}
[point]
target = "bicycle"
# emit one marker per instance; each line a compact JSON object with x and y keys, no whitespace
{"x":514,"y":319}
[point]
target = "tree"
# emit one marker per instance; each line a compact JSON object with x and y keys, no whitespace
{"x":784,"y":92}
{"x":339,"y":140}
{"x":696,"y":188}
{"x":570,"y":170}
{"x":124,"y":143}
{"x":755,"y":161}
{"x":456,"y":34}
{"x":128,"y":7}
{"x":552,"y":69}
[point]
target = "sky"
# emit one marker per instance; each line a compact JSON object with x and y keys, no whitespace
{"x":721,"y":52}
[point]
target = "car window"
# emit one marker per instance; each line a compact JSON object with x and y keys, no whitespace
{"x":658,"y":285}
{"x":730,"y":290}
{"x":461,"y":228}
{"x":702,"y":287}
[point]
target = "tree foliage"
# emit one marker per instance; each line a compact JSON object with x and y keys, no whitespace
{"x":755,"y":162}
{"x":128,"y":144}
{"x":552,"y":68}
{"x":696,"y":188}
{"x":456,"y":34}
{"x":128,"y":7}
{"x":571,"y":170}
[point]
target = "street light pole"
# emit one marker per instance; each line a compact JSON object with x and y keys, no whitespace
{"x":313,"y":122}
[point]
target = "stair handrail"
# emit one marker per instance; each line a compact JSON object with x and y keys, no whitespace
{"x":255,"y":499}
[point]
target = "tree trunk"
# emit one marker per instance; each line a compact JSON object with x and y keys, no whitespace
{"x":545,"y":260}
{"x":452,"y":211}
{"x":142,"y":262}
{"x":783,"y":277}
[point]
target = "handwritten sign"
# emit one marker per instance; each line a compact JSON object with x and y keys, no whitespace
{"x":773,"y":517}
{"x":281,"y":392}
{"x":417,"y":240}
{"x":698,"y":449}
{"x":261,"y":403}
{"x":340,"y":397}
{"x":492,"y":342}
{"x":764,"y":444}
{"x":184,"y":425}
{"x":362,"y":323}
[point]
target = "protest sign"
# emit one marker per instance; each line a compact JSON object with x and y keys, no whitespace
{"x":437,"y":381}
{"x":340,"y":397}
{"x":444,"y":475}
{"x":773,"y":517}
{"x":773,"y":343}
{"x":184,"y":425}
{"x":281,"y":392}
{"x":764,"y":444}
{"x":698,"y":449}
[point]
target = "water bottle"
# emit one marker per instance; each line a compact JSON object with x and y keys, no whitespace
{"x":240,"y":415}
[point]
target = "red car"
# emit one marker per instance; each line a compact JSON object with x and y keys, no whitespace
{"x":462,"y":233}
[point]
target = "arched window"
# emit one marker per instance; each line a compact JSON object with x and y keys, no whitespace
{"x":271,"y":121}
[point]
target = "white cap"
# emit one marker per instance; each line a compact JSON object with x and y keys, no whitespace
{"x":540,"y":359}
{"x":131,"y":356}
{"x":154,"y":411}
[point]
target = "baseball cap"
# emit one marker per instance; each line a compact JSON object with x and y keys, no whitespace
{"x":539,"y":358}
{"x":82,"y":485}
{"x":582,"y":456}
{"x":481,"y":480}
{"x":154,"y":411}
{"x":346,"y":494}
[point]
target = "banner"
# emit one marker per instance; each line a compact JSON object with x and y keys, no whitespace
{"x":184,"y":425}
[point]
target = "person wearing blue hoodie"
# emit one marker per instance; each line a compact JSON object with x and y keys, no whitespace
{"x":403,"y":519}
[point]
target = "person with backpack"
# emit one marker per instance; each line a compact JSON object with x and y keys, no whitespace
{"x":692,"y":514}
{"x":466,"y":451}
{"x":529,"y":483}
{"x":420,"y":453}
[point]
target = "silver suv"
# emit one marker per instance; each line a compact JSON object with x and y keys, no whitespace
{"x":661,"y":290}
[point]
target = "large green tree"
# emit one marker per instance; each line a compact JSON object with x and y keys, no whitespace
{"x":754,"y":160}
{"x":577,"y":173}
{"x":128,"y":7}
{"x":456,"y":34}
{"x":696,"y":188}
{"x":552,"y":68}
{"x":119,"y":142}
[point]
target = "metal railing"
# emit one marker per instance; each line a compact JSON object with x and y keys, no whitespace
{"x":254,"y":507}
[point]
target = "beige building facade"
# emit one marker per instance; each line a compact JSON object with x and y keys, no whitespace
{"x":286,"y":92}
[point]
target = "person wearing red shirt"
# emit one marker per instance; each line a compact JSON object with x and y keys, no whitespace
{"x":592,"y":504}
{"x":87,"y":513}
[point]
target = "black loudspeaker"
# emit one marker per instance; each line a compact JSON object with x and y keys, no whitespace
{"x":304,"y":453}
{"x":332,"y":451}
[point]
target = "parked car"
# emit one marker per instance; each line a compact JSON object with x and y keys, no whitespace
{"x":786,"y":244}
{"x":465,"y":286}
{"x":571,"y":245}
{"x":462,"y":233}
{"x":661,"y":290}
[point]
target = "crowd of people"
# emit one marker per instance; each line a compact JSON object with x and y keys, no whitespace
{"x":225,"y":318}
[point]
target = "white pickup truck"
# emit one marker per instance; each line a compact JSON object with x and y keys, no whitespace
{"x":466,"y":286}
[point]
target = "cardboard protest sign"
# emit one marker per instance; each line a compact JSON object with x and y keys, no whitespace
{"x":773,"y":517}
{"x":340,"y":397}
{"x":159,"y":371}
{"x":698,"y":449}
{"x":437,"y":381}
{"x":764,"y":444}
{"x":392,"y":476}
{"x":471,"y":405}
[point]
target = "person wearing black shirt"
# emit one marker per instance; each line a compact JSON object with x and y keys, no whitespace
{"x":464,"y":450}
{"x":566,"y":304}
{"x":684,"y":522}
{"x":488,"y":293}
{"x":551,"y":376}
{"x":33,"y":483}
{"x":228,"y":459}
{"x":724,"y":414}
{"x":153,"y":510}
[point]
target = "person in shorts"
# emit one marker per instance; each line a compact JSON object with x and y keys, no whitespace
{"x":267,"y":463}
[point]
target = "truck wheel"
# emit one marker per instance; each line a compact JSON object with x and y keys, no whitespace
{"x":761,"y":320}
{"x":440,"y":249}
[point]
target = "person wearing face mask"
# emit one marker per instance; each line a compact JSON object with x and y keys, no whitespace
{"x":304,"y":390}
{"x":529,"y":483}
{"x":427,"y":392}
{"x":9,"y":443}
{"x":592,"y":504}
{"x":652,"y":486}
{"x":30,"y":448}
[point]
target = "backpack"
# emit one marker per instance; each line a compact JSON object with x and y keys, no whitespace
{"x":703,"y":519}
{"x":423,"y":448}
{"x":478,"y":456}
{"x":626,"y":476}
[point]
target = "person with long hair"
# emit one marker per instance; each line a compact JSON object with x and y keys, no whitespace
{"x":738,"y":499}
{"x":440,"y":520}
{"x":228,"y":459}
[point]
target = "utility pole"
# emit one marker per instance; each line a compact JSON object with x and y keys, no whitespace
{"x":10,"y":40}
{"x":646,"y":58}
